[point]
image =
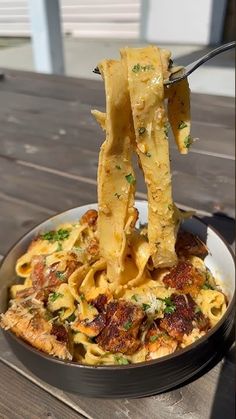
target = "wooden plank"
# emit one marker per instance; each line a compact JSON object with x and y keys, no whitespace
{"x":187,"y":402}
{"x":205,"y":176}
{"x":28,"y":196}
{"x":70,"y":89}
{"x":213,"y":116}
{"x":20,"y":398}
{"x":204,"y":182}
{"x":16,"y":218}
{"x":35,"y":130}
{"x":18,"y":215}
{"x":25,"y":115}
{"x":46,"y":190}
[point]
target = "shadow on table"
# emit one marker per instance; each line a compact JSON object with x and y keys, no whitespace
{"x":223,"y":224}
{"x":225,"y":352}
{"x":226,"y":227}
{"x":224,"y":400}
{"x":225,"y":59}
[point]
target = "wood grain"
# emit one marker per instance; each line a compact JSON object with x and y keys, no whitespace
{"x":46,"y":121}
{"x":20,"y":398}
{"x":29,"y":195}
{"x":48,"y":163}
{"x":16,"y":218}
{"x":213,"y":116}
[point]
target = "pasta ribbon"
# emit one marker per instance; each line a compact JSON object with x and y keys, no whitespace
{"x":145,"y":78}
{"x":179,"y":114}
{"x":88,"y":286}
{"x":63,"y":301}
{"x":116,"y":181}
{"x":20,"y":287}
{"x":212,"y":304}
{"x":140,"y":251}
{"x":76,"y":279}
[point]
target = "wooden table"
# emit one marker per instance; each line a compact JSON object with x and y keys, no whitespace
{"x":48,"y":162}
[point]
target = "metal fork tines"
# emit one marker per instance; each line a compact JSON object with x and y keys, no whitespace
{"x":184,"y":72}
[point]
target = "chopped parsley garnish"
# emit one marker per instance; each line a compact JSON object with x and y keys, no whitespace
{"x":130,"y":178}
{"x":134,"y":297}
{"x":207,"y":286}
{"x":170,"y":309}
{"x":59,"y":247}
{"x":78,"y":248}
{"x":153,"y":338}
{"x":148,"y":154}
{"x":148,"y":67}
{"x":188,"y":141}
{"x":118,"y":167}
{"x":117,"y":195}
{"x":48,"y":315}
{"x":71,"y":318}
{"x":138,"y":68}
{"x":169,"y":305}
{"x":182,"y":125}
{"x":54,"y":296}
{"x":146,"y":306}
{"x":58,"y":235}
{"x":60,"y":275}
{"x":197,"y":310}
{"x":170,"y":207}
{"x":31,"y":310}
{"x":141,"y":130}
{"x":121,"y":360}
{"x":82,"y":297}
{"x":166,"y":128}
{"x":128,"y":325}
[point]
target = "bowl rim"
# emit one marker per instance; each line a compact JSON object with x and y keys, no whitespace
{"x":160,"y":360}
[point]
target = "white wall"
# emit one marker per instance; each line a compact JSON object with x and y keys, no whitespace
{"x":80,"y":18}
{"x":183,"y":21}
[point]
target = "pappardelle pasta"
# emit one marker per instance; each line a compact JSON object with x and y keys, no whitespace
{"x":104,"y":289}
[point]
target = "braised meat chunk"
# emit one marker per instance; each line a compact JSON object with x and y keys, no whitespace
{"x":40,"y":295}
{"x":90,"y":218}
{"x":185,"y":278}
{"x":158,"y":341}
{"x":28,"y":321}
{"x":50,"y":277}
{"x":93,"y":249}
{"x":185,"y":316}
{"x":121,"y":333}
{"x":100,"y":302}
{"x":90,"y":328}
{"x":60,"y":332}
{"x":189,"y":245}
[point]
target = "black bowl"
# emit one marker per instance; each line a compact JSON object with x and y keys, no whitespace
{"x":136,"y":380}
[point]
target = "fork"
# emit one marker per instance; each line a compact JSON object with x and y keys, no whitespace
{"x":184,"y":72}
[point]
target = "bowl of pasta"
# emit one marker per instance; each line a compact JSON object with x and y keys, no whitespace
{"x":79,"y":332}
{"x":123,"y":298}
